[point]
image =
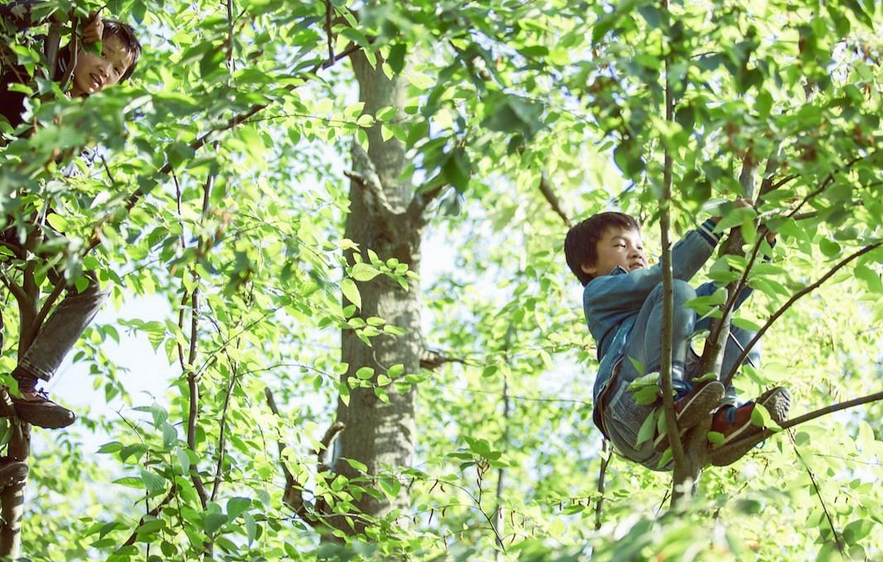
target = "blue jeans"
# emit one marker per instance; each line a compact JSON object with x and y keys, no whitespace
{"x":622,"y":417}
{"x":62,"y":329}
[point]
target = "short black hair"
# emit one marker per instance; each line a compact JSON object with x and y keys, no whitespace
{"x":581,"y":243}
{"x":126,"y":35}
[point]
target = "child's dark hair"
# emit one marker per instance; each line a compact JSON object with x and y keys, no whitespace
{"x":581,"y":243}
{"x":126,"y":35}
{"x":112,"y":28}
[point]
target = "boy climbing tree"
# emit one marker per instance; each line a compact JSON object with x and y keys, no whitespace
{"x":622,"y":301}
{"x":81,"y":73}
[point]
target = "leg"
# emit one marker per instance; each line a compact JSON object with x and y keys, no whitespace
{"x":623,"y":417}
{"x":53,"y":342}
{"x":645,"y":343}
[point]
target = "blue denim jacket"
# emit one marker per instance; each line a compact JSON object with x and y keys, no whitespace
{"x":612,"y":302}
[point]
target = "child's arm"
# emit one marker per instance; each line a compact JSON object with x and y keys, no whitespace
{"x":624,"y":292}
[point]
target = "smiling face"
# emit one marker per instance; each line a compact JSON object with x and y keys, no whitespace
{"x":621,"y":247}
{"x":93,"y":73}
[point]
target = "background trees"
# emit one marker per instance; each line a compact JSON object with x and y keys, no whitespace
{"x":221,"y":187}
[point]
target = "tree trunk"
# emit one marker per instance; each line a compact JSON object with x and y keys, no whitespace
{"x":379,"y":433}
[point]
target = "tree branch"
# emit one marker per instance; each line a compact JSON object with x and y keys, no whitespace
{"x":665,"y":374}
{"x":825,"y":183}
{"x":365,"y":176}
{"x":152,"y":513}
{"x":818,"y":490}
{"x":293,"y":495}
{"x":761,"y":435}
{"x":602,"y":473}
{"x":787,"y":305}
{"x":550,"y":196}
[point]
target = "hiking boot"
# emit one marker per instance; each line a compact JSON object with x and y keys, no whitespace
{"x":693,"y":407}
{"x":735,"y":423}
{"x":12,"y":471}
{"x":36,"y":408}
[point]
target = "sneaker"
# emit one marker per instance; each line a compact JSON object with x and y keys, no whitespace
{"x":695,"y":406}
{"x":35,"y":407}
{"x":735,"y":423}
{"x":12,"y":472}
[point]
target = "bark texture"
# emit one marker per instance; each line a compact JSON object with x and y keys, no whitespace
{"x":381,"y":435}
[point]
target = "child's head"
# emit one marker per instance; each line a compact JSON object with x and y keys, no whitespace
{"x":599,"y":244}
{"x":120,"y":50}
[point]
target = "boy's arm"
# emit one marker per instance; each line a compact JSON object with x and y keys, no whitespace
{"x":610,"y":293}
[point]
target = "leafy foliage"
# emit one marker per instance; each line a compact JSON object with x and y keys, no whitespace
{"x":219,"y":179}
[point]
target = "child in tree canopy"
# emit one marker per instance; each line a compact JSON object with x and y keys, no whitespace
{"x":92,"y":73}
{"x":622,"y":301}
{"x":120,"y":51}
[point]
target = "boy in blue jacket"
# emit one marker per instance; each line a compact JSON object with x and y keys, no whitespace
{"x":622,"y":301}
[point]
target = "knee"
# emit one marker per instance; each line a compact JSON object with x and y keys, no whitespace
{"x":682,"y":292}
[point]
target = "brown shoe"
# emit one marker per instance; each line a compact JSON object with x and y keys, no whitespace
{"x":12,"y":472}
{"x":36,"y":408}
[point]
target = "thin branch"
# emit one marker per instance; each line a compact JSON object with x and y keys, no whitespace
{"x":788,"y":304}
{"x":764,"y":434}
{"x":152,"y":513}
{"x":825,"y":183}
{"x":328,"y":10}
{"x":602,"y":476}
{"x":216,"y":486}
{"x":17,"y":291}
{"x":293,"y":495}
{"x":818,"y":490}
{"x":665,"y":374}
{"x":550,"y":196}
{"x":207,"y":137}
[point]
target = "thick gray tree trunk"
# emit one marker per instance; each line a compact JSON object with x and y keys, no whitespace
{"x":384,"y":219}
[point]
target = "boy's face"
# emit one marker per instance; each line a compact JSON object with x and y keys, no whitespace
{"x":93,"y":73}
{"x":618,"y":247}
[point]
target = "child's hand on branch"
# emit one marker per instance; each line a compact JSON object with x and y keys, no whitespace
{"x":93,"y":29}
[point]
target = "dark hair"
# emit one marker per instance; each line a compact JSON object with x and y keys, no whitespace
{"x":126,"y":35}
{"x":112,"y":28}
{"x":581,"y":243}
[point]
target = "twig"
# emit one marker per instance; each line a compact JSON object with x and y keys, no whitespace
{"x":152,"y":513}
{"x":602,"y":476}
{"x":550,"y":196}
{"x":825,"y":183}
{"x":818,"y":490}
{"x":764,"y":434}
{"x":328,"y":10}
{"x":788,"y":304}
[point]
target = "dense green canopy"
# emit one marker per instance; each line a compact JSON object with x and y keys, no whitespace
{"x":221,"y":185}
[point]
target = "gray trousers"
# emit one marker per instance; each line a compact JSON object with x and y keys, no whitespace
{"x":63,"y":328}
{"x":621,"y":416}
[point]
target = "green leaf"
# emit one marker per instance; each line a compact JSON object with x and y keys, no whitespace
{"x":153,"y":482}
{"x":648,"y":428}
{"x":715,"y":438}
{"x":396,"y":58}
{"x":214,"y":521}
{"x":829,"y":248}
{"x":364,"y":373}
{"x":251,"y":527}
{"x":364,"y":272}
{"x":57,"y":222}
{"x":237,"y":506}
{"x":351,"y":292}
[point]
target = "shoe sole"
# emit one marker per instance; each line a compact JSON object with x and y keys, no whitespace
{"x":777,"y":402}
{"x":697,"y":409}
